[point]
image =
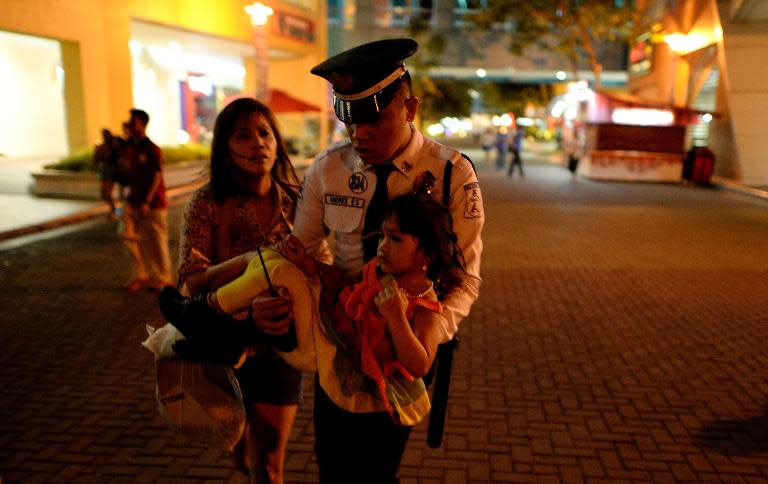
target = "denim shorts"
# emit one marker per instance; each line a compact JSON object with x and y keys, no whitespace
{"x":266,"y":378}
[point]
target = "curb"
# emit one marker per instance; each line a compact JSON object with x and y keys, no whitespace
{"x":176,"y":192}
{"x":736,"y":187}
{"x":85,"y":215}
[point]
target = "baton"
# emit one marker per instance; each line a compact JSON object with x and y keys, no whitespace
{"x":440,"y":393}
{"x":285,"y":342}
{"x":272,"y":289}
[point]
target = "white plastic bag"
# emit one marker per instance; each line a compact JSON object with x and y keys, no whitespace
{"x":199,"y":400}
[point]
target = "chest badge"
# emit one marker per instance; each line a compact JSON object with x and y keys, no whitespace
{"x":424,"y":182}
{"x":358,"y":183}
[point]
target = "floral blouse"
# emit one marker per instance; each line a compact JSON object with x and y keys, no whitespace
{"x":202,"y":228}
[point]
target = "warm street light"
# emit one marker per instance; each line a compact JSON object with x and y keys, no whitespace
{"x":259,"y":13}
{"x":682,"y":44}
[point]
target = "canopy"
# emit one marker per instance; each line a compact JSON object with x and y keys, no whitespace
{"x":683,"y":114}
{"x":280,"y":102}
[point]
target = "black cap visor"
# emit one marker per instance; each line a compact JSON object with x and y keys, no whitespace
{"x":365,"y":110}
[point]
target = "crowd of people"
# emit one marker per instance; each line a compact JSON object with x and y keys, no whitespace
{"x":387,"y":222}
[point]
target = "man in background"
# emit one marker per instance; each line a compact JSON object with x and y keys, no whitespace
{"x":145,"y":216}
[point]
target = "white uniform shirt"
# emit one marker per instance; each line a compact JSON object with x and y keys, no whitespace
{"x":337,"y":190}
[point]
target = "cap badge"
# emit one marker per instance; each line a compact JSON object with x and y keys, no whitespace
{"x":342,"y":82}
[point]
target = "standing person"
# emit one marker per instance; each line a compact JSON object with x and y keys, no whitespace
{"x":249,"y":202}
{"x":488,"y":140}
{"x":516,"y":146}
{"x":502,"y":146}
{"x":105,"y":157}
{"x":122,"y":172}
{"x":346,"y":191}
{"x":145,"y":216}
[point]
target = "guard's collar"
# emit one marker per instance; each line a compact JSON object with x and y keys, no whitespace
{"x":406,"y":160}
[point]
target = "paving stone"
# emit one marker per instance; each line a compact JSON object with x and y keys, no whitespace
{"x":619,"y":337}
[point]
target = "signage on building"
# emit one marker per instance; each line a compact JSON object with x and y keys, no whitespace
{"x":293,"y":26}
{"x":641,"y":56}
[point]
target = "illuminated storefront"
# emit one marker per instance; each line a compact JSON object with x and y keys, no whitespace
{"x":32,"y":96}
{"x":84,"y":64}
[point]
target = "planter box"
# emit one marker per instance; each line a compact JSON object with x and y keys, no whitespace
{"x":86,"y":186}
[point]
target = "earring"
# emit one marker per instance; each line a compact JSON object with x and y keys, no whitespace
{"x":424,"y":267}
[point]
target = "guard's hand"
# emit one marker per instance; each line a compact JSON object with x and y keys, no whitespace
{"x":272,"y":314}
{"x":391,"y":302}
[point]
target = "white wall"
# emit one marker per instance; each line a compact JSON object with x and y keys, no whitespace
{"x":32,"y":118}
{"x":746,"y":53}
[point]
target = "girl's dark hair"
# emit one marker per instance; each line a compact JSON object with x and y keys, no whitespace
{"x":222,"y":182}
{"x":431,"y":224}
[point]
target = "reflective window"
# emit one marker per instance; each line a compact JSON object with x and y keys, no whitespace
{"x":398,"y":13}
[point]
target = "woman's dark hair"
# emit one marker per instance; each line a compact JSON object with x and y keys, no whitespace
{"x":222,"y":182}
{"x":431,"y":224}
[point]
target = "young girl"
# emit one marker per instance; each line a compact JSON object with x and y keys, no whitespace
{"x":376,"y":339}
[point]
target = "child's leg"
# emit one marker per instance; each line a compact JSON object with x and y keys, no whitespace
{"x":237,"y":294}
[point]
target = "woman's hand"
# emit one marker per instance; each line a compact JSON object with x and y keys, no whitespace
{"x":391,"y":302}
{"x":273,"y":314}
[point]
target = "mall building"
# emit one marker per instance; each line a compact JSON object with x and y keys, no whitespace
{"x":709,"y":55}
{"x":70,"y":68}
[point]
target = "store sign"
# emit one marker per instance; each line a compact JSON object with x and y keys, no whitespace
{"x":641,"y":56}
{"x":294,"y":27}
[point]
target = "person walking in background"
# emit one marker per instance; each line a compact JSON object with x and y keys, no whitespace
{"x":502,"y":146}
{"x":105,"y":157}
{"x":515,"y":147}
{"x":249,"y":202}
{"x":122,"y":172}
{"x":145,"y":215}
{"x":488,"y":139}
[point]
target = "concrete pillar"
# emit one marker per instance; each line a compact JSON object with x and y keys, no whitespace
{"x":74,"y":107}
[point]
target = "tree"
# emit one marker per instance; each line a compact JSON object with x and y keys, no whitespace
{"x":572,"y":28}
{"x":514,"y":98}
{"x":438,"y":97}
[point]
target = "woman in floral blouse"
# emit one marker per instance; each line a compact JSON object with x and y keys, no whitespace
{"x":249,"y":202}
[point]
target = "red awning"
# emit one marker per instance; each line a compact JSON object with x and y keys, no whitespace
{"x":281,"y":102}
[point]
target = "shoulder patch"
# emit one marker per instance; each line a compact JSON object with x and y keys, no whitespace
{"x":473,"y":204}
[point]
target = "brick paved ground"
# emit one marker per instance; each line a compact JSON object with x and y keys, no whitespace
{"x":620,"y":337}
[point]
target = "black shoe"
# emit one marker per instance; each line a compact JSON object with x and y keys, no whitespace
{"x":171,"y":303}
{"x":210,"y":335}
{"x":191,"y":315}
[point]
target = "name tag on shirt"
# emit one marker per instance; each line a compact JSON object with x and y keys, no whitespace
{"x":344,"y":201}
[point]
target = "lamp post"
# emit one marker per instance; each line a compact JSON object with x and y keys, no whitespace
{"x":259,"y":15}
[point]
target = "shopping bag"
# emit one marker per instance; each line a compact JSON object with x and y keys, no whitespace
{"x":199,"y":400}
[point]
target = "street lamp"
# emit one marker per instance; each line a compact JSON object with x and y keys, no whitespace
{"x":259,"y":15}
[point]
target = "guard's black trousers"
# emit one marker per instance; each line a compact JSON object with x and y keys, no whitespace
{"x":356,"y":447}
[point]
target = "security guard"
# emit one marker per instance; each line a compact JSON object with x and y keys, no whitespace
{"x":372,"y":96}
{"x":345,"y":193}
